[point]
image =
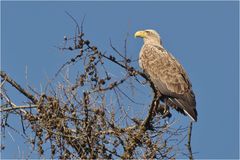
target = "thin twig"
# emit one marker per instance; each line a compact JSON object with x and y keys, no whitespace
{"x":189,"y":141}
{"x":73,"y":20}
{"x":120,"y":54}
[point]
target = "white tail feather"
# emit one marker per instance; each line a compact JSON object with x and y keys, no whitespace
{"x":185,"y":110}
{"x":189,"y":115}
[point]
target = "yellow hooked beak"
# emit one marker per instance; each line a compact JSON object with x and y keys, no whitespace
{"x":141,"y":34}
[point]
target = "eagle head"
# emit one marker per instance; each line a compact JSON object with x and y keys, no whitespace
{"x":149,"y":36}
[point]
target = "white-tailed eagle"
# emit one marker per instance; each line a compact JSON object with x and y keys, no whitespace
{"x":167,"y":74}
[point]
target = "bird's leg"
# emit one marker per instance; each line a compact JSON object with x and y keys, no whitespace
{"x":166,"y":112}
{"x":163,"y":109}
{"x":156,"y":102}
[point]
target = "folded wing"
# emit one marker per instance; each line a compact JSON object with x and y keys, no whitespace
{"x":170,"y":78}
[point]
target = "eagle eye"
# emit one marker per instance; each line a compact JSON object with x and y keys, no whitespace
{"x":148,"y":32}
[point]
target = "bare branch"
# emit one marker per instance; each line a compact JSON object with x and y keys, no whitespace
{"x":76,"y":23}
{"x":16,"y":108}
{"x":189,"y":141}
{"x":18,"y":87}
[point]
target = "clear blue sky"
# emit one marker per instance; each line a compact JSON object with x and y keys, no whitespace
{"x":202,"y":35}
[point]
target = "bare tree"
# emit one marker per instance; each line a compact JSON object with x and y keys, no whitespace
{"x":89,"y":114}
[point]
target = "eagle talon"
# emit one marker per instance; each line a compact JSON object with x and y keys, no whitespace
{"x":166,"y":113}
{"x":163,"y":109}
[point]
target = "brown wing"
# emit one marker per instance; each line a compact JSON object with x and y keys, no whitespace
{"x":169,"y":77}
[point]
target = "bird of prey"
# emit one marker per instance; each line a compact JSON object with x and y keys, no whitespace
{"x":167,"y":74}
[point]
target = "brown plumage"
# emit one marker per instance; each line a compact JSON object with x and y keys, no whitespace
{"x":167,"y":74}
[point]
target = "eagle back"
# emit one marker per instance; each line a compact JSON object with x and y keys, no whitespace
{"x":164,"y":70}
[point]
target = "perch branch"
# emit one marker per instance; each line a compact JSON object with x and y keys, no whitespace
{"x":155,"y":103}
{"x":18,"y":87}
